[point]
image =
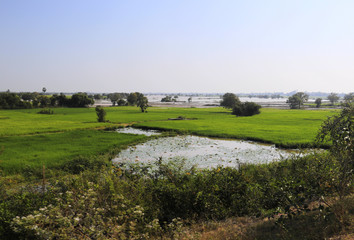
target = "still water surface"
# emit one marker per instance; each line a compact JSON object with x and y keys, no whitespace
{"x":201,"y":152}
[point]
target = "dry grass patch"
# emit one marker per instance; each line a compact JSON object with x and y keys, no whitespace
{"x":316,"y":224}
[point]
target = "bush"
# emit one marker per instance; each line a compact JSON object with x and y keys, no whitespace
{"x":94,"y":211}
{"x":101,"y":114}
{"x":229,"y":100}
{"x":46,"y":111}
{"x":246,"y":109}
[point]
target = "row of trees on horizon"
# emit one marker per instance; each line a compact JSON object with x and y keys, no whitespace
{"x":297,"y":100}
{"x":26,"y":100}
{"x":12,"y":100}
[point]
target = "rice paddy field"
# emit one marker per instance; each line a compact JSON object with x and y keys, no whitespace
{"x":31,"y":139}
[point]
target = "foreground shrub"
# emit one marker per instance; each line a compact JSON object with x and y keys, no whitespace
{"x":141,"y":201}
{"x":81,"y":215}
{"x":19,"y":202}
{"x":86,"y":210}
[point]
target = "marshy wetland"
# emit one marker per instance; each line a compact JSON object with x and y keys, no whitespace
{"x":184,"y":165}
{"x":29,"y":140}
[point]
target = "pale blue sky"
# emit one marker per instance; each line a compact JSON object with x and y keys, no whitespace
{"x":177,"y":46}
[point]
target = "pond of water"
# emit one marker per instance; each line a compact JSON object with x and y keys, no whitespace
{"x":137,"y":131}
{"x":202,"y":152}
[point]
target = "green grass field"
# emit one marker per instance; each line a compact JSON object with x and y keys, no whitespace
{"x":54,"y":150}
{"x":31,"y":139}
{"x":287,"y":128}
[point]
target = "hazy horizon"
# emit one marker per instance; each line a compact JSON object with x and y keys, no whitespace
{"x":177,"y":46}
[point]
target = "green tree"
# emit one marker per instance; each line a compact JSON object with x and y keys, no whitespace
{"x":101,"y":114}
{"x":297,"y":100}
{"x":339,"y":131}
{"x":54,"y":100}
{"x":333,"y":98}
{"x":114,"y":97}
{"x":62,"y":100}
{"x":246,"y":109}
{"x":132,"y":99}
{"x":26,"y":96}
{"x":44,"y":101}
{"x":97,"y":96}
{"x":9,"y":100}
{"x":318,"y":102}
{"x":35,"y":103}
{"x":80,"y":100}
{"x":229,"y":100}
{"x":121,"y":102}
{"x":142,"y":102}
{"x":12,"y":101}
{"x":349,"y":97}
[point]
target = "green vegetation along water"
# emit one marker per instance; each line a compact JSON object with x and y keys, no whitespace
{"x":31,"y":139}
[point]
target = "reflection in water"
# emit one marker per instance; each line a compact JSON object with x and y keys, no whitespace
{"x":202,"y":152}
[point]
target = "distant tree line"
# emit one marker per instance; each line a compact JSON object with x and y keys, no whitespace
{"x":25,"y":100}
{"x":129,"y":99}
{"x":297,"y":100}
{"x":9,"y":100}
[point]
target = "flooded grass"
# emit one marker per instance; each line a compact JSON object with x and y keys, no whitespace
{"x":202,"y":152}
